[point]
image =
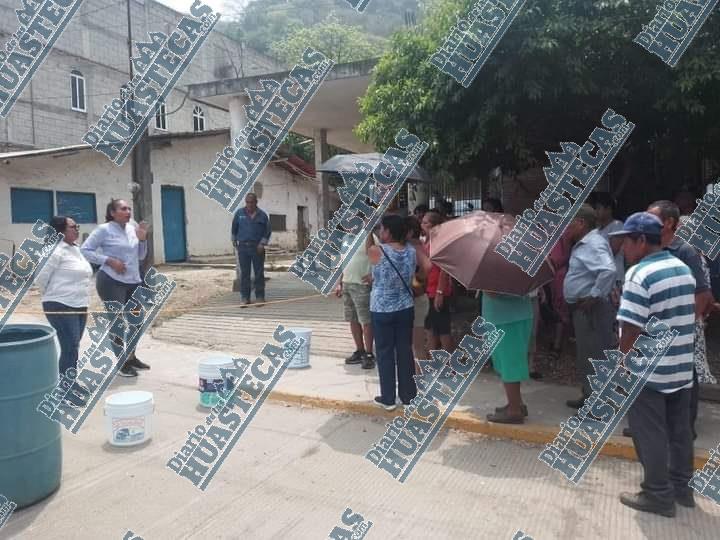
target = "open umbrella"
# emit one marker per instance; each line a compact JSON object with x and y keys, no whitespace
{"x":346,"y":162}
{"x":465,"y":249}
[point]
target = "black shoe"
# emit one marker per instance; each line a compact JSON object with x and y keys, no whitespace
{"x":575,"y":403}
{"x":378,"y":401}
{"x":627,"y":432}
{"x":523,"y":408}
{"x":643,"y":503}
{"x":685,"y":498}
{"x":136,"y":363}
{"x":367,"y":360}
{"x":260,"y":300}
{"x":246,"y":302}
{"x":355,"y":358}
{"x":127,"y":371}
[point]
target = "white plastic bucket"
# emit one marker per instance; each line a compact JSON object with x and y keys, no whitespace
{"x":210,"y":379}
{"x":302,"y":358}
{"x":128,"y":417}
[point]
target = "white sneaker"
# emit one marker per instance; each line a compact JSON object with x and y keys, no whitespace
{"x":378,"y":401}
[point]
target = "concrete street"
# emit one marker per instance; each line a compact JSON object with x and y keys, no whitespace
{"x":294,"y":472}
{"x":296,"y":469}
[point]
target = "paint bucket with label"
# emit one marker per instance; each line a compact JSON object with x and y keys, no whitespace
{"x":128,"y":417}
{"x":210,"y":379}
{"x":302,"y":357}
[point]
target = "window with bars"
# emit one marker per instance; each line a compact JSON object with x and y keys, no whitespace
{"x":77,"y":91}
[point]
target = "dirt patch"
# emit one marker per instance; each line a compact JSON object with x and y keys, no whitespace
{"x":195,"y":287}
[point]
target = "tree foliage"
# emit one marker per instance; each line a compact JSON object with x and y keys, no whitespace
{"x":260,"y":23}
{"x":338,"y":42}
{"x":560,"y":65}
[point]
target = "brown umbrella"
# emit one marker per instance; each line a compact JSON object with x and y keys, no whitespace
{"x":465,"y":249}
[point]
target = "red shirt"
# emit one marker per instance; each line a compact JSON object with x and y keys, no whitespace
{"x":433,"y":277}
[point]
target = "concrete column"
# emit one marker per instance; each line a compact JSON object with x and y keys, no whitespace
{"x":238,"y":120}
{"x":321,"y":155}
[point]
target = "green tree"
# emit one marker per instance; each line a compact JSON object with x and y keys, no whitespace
{"x":260,"y":23}
{"x":338,"y":42}
{"x":560,"y":65}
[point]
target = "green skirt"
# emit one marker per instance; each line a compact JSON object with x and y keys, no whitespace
{"x":510,"y":358}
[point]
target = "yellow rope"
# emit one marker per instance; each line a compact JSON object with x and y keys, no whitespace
{"x":164,"y":311}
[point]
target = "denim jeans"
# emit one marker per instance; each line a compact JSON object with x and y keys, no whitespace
{"x":69,"y":327}
{"x":393,"y":351}
{"x":249,"y":257}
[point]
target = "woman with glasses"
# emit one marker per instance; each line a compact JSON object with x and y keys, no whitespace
{"x":64,"y":283}
{"x":118,"y":246}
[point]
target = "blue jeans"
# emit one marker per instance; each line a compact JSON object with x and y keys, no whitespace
{"x":393,"y":350}
{"x":247,"y":257}
{"x":69,"y":327}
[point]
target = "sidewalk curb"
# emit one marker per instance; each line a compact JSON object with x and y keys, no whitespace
{"x":618,"y":447}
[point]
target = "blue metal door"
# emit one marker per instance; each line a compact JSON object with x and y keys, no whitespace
{"x":173,"y":218}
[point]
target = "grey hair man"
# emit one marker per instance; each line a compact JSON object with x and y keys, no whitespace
{"x":588,"y":283}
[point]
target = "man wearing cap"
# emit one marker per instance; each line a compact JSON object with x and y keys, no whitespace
{"x":669,"y":214}
{"x":659,"y":285}
{"x":587,"y":286}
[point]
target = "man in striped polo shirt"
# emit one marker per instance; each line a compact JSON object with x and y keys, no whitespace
{"x":659,"y":285}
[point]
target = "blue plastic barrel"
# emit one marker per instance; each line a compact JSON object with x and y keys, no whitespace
{"x":30,"y":443}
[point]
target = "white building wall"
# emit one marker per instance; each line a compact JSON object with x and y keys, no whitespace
{"x":207,"y":225}
{"x":178,"y":163}
{"x":95,"y":43}
{"x":82,"y":171}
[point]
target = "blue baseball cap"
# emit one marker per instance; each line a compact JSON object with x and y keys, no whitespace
{"x":641,"y":222}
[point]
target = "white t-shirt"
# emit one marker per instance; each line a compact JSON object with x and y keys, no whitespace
{"x":614,"y":226}
{"x":65,"y":278}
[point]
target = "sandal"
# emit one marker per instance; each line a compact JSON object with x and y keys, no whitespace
{"x":523,"y":408}
{"x":504,"y":418}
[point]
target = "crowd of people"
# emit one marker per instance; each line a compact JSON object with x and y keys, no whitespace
{"x":611,"y":277}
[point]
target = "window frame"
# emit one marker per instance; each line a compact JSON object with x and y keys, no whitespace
{"x":280,"y":217}
{"x":76,"y":77}
{"x":78,"y":220}
{"x":161,"y":116}
{"x":198,"y":115}
{"x":45,"y":218}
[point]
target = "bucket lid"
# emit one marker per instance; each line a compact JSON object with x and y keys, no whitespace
{"x":217,"y":361}
{"x":129,"y":399}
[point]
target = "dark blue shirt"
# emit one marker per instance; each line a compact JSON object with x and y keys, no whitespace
{"x":245,"y":229}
